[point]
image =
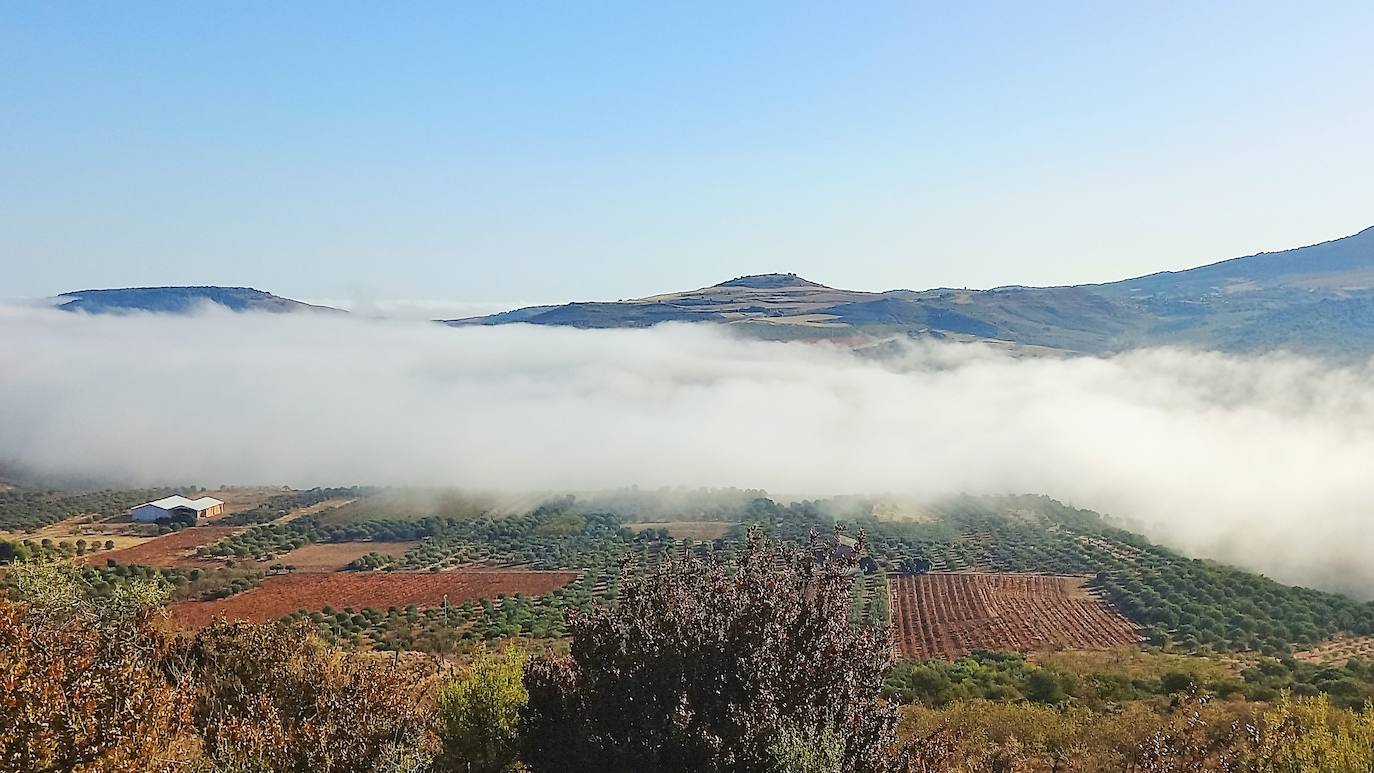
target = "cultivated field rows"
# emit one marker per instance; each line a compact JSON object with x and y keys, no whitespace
{"x":948,"y":615}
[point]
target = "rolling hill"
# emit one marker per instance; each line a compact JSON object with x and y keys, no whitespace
{"x":179,"y":300}
{"x":1317,"y":299}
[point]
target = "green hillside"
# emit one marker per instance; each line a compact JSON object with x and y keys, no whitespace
{"x":1180,"y":603}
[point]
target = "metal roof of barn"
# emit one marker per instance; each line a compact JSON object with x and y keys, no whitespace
{"x":176,"y":500}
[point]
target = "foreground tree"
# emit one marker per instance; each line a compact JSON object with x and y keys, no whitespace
{"x":705,"y":666}
{"x":92,"y":685}
{"x":82,"y":683}
{"x":273,"y":699}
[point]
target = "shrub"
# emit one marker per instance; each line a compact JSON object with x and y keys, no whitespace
{"x":273,"y":699}
{"x":479,"y":716}
{"x":705,"y":666}
{"x":82,"y":685}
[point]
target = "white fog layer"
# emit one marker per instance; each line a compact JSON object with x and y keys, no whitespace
{"x":1267,"y":462}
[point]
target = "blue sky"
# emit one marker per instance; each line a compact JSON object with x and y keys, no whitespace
{"x":524,"y":151}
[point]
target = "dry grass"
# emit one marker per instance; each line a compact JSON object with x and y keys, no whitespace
{"x":77,"y":527}
{"x":237,"y":499}
{"x":327,"y":504}
{"x":1338,"y":651}
{"x":1137,"y":664}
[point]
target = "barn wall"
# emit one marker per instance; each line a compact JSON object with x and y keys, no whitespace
{"x":149,"y":513}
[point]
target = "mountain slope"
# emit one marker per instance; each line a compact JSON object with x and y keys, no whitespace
{"x":1345,"y":264}
{"x":179,"y":300}
{"x":1317,"y":299}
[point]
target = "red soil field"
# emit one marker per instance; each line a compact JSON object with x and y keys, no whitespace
{"x":332,"y":556}
{"x":175,"y":549}
{"x":948,"y":616}
{"x":281,"y":595}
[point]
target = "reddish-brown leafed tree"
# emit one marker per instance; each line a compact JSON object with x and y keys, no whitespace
{"x":80,"y":697}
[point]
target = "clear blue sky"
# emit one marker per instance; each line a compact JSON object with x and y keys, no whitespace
{"x":555,"y":151}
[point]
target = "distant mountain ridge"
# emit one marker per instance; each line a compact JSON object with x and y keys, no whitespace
{"x":180,"y":300}
{"x":1317,"y":299}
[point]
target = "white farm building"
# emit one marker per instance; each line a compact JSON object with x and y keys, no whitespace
{"x":177,"y":508}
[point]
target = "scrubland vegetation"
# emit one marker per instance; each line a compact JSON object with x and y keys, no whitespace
{"x":1100,"y":681}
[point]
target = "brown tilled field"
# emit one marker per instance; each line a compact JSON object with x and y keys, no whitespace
{"x":175,"y":549}
{"x":281,"y":595}
{"x":948,"y":616}
{"x":332,"y":556}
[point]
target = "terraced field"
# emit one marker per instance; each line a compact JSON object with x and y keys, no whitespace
{"x":947,"y":615}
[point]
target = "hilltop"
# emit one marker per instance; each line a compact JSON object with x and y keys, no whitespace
{"x":179,"y":300}
{"x":1317,"y":299}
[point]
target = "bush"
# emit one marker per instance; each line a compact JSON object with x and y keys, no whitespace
{"x":273,"y":699}
{"x":705,"y":666}
{"x":479,"y":716}
{"x":91,"y":684}
{"x":83,"y":682}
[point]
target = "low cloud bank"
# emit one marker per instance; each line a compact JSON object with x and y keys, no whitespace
{"x":1267,"y":462}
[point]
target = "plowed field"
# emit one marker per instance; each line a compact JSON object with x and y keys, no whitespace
{"x":281,"y":595}
{"x":175,"y":549}
{"x":950,"y":615}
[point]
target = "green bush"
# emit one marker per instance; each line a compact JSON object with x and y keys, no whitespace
{"x":479,"y":715}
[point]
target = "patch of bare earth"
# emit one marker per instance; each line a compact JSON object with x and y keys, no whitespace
{"x":332,"y":556}
{"x":169,"y":550}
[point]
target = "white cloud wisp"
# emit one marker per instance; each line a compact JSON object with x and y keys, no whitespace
{"x":1265,"y":461}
